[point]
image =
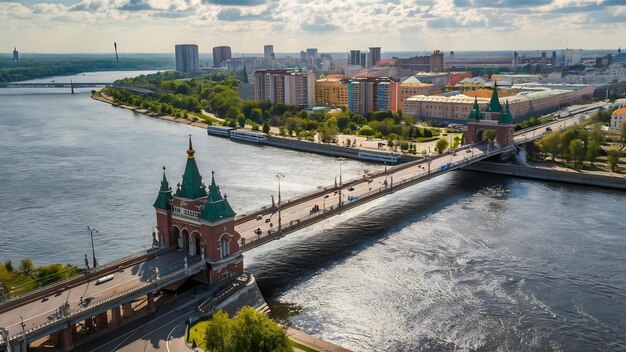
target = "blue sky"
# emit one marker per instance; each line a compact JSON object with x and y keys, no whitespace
{"x":91,"y":26}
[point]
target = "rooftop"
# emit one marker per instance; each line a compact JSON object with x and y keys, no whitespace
{"x":621,"y":111}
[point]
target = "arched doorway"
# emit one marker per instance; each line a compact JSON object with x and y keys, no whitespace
{"x":480,"y":135}
{"x":194,"y":244}
{"x":183,"y":240}
{"x":174,"y":239}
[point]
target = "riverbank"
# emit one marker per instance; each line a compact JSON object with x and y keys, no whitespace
{"x":327,"y":149}
{"x":555,"y":174}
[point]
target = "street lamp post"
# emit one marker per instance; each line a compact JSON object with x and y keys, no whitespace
{"x":340,"y":178}
{"x":279,"y":176}
{"x":93,"y":249}
{"x":23,"y":333}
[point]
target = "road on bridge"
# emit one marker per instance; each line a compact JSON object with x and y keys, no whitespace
{"x":351,"y":191}
{"x":38,"y":312}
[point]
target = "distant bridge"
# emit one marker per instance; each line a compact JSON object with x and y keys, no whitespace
{"x":55,"y":85}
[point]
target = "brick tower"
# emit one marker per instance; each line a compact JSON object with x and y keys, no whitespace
{"x":198,"y":223}
{"x":494,"y":117}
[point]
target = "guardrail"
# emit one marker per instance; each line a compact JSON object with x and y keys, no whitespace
{"x":77,"y":279}
{"x":325,"y":212}
{"x":175,"y":270}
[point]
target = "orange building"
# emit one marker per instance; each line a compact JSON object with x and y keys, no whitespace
{"x":331,"y":91}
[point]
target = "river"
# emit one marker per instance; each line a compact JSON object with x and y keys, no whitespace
{"x":464,"y":261}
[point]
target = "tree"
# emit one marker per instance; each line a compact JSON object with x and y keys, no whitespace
{"x":254,"y":331}
{"x":266,"y":127}
{"x":550,"y":144}
{"x":491,"y":135}
{"x":241,"y":120}
{"x":218,"y":336}
{"x":613,"y":159}
{"x":442,"y":145}
{"x":623,"y":132}
{"x":576,"y":147}
{"x":248,"y":331}
{"x":26,"y":266}
{"x":456,"y":142}
{"x":256,"y":115}
{"x":366,"y":131}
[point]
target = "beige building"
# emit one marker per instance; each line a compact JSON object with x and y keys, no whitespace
{"x":523,"y":104}
{"x":617,"y":119}
{"x":411,"y":87}
{"x":331,"y":91}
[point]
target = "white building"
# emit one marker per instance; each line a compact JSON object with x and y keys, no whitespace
{"x":617,"y":118}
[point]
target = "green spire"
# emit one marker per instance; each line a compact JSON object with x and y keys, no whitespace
{"x":505,"y":117}
{"x":165,"y":194}
{"x":192,"y":187}
{"x":475,"y":112}
{"x":494,"y":104}
{"x":216,"y":207}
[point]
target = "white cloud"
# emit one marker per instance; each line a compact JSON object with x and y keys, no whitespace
{"x":330,"y":25}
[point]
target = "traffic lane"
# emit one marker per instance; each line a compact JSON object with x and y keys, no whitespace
{"x":38,"y":312}
{"x":303,"y":210}
{"x":148,"y":333}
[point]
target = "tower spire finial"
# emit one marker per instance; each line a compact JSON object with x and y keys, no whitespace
{"x":190,"y":151}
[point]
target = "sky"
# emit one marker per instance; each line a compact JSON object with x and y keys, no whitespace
{"x":155,"y":26}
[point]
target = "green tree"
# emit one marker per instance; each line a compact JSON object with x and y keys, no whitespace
{"x":456,"y":142}
{"x":241,"y":120}
{"x":266,"y":127}
{"x":491,"y":135}
{"x":218,"y":332}
{"x":576,"y":148}
{"x":256,"y":115}
{"x":366,"y":131}
{"x":441,"y":145}
{"x":550,"y":144}
{"x":26,"y":266}
{"x":613,"y":159}
{"x":623,"y":132}
{"x":253,"y":331}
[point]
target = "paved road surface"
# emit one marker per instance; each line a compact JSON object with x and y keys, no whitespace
{"x":40,"y":311}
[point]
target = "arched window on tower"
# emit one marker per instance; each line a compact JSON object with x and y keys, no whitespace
{"x":224,"y":248}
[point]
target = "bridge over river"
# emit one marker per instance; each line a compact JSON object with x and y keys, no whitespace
{"x":57,"y":309}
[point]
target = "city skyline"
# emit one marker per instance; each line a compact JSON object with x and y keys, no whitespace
{"x":294,"y":25}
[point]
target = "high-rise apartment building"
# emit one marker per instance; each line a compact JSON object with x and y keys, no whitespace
{"x":355,"y":57}
{"x":374,"y":56}
{"x":187,"y":57}
{"x":364,"y":59}
{"x":221,"y":54}
{"x":293,"y":87}
{"x":16,"y":54}
{"x":386,"y":96}
{"x":268,"y":51}
{"x":372,"y":94}
{"x":436,"y":61}
{"x":311,"y":53}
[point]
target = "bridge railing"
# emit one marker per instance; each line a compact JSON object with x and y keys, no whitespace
{"x":324,"y":210}
{"x":6,"y":299}
{"x":172,"y":272}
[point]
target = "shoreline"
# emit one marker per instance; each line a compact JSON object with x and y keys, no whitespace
{"x":328,"y":149}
